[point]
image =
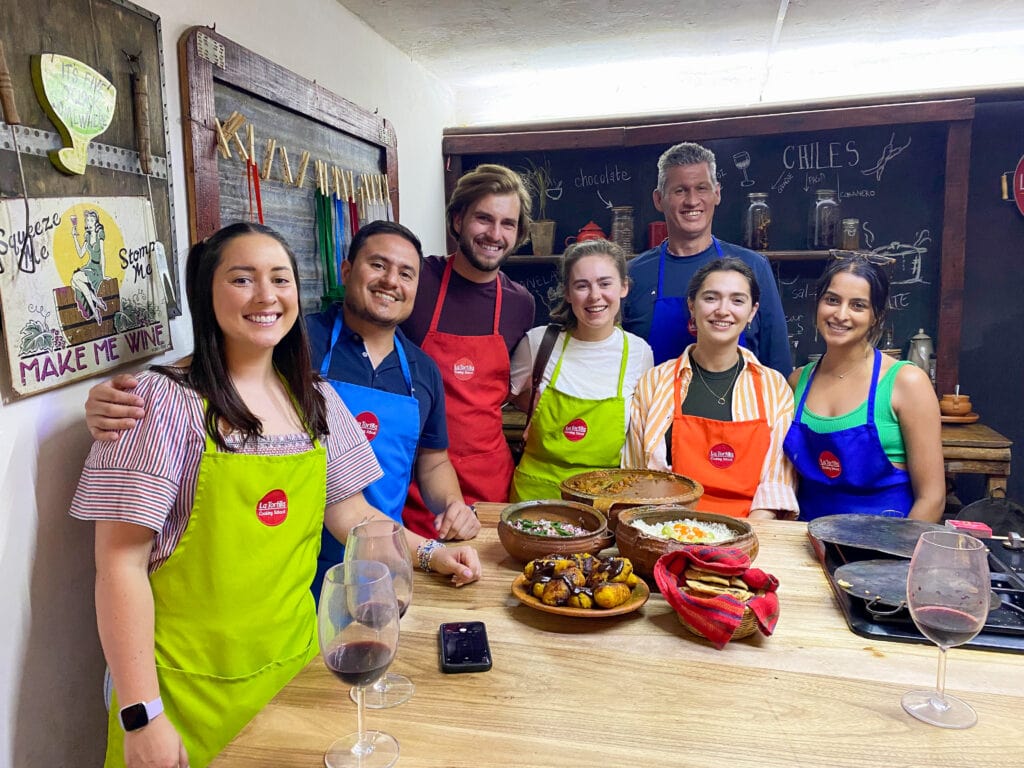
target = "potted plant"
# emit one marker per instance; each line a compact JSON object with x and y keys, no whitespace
{"x":537,"y":179}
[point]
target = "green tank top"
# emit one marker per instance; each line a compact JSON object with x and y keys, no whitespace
{"x":885,"y":420}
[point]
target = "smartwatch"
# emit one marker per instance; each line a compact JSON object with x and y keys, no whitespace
{"x":134,"y":716}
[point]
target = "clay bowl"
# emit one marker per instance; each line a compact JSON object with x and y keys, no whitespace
{"x":528,"y":546}
{"x":612,"y":490}
{"x":643,"y":550}
{"x":955,"y":405}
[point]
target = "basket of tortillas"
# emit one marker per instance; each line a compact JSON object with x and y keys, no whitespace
{"x":716,"y":594}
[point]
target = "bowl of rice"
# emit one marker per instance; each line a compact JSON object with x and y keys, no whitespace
{"x":533,"y":529}
{"x":646,"y":533}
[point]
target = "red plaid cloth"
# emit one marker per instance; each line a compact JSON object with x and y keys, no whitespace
{"x":717,"y":618}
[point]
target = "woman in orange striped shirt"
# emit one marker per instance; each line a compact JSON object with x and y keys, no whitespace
{"x":726,"y":430}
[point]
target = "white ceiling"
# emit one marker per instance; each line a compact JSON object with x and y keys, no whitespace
{"x":514,"y":61}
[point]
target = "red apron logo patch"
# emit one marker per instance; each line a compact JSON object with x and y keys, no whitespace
{"x":830,"y":465}
{"x":463,"y":369}
{"x":369,"y":423}
{"x":721,"y":455}
{"x":575,"y":430}
{"x":272,"y":509}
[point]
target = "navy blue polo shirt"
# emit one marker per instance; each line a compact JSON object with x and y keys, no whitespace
{"x":351,"y":364}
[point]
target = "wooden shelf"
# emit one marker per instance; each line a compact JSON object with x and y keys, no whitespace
{"x":770,"y":255}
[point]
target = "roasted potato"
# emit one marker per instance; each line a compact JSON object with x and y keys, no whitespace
{"x":556,"y":592}
{"x":581,"y":597}
{"x":609,"y":594}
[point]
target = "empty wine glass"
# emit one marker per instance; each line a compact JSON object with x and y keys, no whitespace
{"x":384,"y":541}
{"x":948,"y":597}
{"x":358,"y":627}
{"x":742,"y":162}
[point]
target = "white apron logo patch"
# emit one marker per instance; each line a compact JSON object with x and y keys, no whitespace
{"x":722,"y":455}
{"x":575,"y":430}
{"x":272,"y":509}
{"x":369,"y":423}
{"x":830,"y":464}
{"x":464,"y":369}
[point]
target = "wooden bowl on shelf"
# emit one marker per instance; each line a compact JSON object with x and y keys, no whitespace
{"x":529,"y":546}
{"x":643,"y":549}
{"x":612,"y":490}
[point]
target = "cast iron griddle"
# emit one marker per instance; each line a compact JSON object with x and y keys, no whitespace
{"x":891,"y":535}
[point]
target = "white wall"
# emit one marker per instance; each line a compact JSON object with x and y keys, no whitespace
{"x":51,"y":666}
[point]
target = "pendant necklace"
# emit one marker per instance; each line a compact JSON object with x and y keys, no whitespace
{"x":721,"y":398}
{"x":845,"y":373}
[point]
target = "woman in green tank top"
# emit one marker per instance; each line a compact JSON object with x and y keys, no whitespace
{"x":866,"y":433}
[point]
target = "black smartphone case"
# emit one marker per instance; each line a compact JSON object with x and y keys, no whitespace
{"x":463,"y":647}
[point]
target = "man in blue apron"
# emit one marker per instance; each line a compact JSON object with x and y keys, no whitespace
{"x":655,"y":309}
{"x":393,"y":389}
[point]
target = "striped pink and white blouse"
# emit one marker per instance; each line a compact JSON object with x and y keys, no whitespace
{"x":148,"y":476}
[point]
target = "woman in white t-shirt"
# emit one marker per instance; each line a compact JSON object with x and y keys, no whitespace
{"x":581,"y":408}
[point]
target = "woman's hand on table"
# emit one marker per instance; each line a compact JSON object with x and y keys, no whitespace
{"x":156,"y":745}
{"x":457,"y":522}
{"x":462,"y":563}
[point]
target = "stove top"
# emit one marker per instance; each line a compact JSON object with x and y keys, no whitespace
{"x":1004,"y":628}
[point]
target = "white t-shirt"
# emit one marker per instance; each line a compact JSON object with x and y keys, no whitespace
{"x":590,"y":369}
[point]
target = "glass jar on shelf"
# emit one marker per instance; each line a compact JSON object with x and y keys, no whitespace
{"x":823,"y":220}
{"x":622,"y":227}
{"x":756,"y":221}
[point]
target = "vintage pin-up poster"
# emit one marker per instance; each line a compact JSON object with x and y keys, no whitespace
{"x":81,"y":288}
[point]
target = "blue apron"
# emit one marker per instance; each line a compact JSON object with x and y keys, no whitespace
{"x":846,"y":471}
{"x":670,"y":322}
{"x":391,"y":423}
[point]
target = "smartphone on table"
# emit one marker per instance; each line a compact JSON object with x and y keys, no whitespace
{"x":463,"y":647}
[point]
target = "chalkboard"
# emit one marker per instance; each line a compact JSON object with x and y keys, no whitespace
{"x":891,"y":178}
{"x":299,"y":115}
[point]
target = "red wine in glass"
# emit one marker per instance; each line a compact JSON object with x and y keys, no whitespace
{"x":947,"y":627}
{"x":359,"y":663}
{"x":357,"y":624}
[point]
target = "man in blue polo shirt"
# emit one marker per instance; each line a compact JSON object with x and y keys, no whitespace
{"x":655,"y":309}
{"x":392,"y":387}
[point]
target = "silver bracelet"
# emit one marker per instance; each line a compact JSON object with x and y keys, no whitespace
{"x":424,"y":552}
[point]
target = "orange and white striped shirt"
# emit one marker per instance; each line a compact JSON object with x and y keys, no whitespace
{"x":651,"y":415}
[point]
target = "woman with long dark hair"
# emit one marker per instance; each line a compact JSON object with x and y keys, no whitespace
{"x":208,"y":512}
{"x":866,"y":436}
{"x":716,"y":414}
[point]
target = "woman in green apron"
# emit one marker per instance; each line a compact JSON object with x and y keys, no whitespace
{"x":208,"y":512}
{"x":579,"y":415}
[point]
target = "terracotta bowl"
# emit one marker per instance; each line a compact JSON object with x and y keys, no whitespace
{"x":954,"y":405}
{"x":612,"y":490}
{"x":644,"y":550}
{"x":528,"y":546}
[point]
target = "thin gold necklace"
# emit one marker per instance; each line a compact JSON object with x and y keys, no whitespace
{"x":844,"y":374}
{"x":720,"y":397}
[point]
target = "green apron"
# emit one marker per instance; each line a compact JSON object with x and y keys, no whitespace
{"x":569,"y":435}
{"x":234,"y":617}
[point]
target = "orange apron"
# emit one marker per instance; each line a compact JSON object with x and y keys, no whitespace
{"x":475,"y":371}
{"x":726,"y":457}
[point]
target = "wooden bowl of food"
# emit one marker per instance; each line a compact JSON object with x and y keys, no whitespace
{"x":612,"y":490}
{"x":646,"y":533}
{"x":534,"y":529}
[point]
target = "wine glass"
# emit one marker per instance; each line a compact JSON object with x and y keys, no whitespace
{"x":358,"y":627}
{"x":742,"y":162}
{"x":948,"y":597}
{"x":384,"y":541}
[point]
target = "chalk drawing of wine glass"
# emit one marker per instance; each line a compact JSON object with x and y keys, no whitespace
{"x":742,"y":161}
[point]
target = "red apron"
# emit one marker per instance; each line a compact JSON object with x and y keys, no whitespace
{"x":726,"y":457}
{"x":475,"y":371}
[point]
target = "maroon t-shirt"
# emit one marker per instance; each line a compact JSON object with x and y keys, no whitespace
{"x":469,"y":307}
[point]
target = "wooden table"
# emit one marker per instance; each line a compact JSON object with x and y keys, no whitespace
{"x":977,"y":449}
{"x":638,"y":690}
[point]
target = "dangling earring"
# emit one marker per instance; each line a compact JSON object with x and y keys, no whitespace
{"x":691,"y":326}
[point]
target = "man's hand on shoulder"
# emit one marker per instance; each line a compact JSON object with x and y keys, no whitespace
{"x":112,"y":408}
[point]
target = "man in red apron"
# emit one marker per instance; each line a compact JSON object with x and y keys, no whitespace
{"x":655,"y":309}
{"x":468,"y":317}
